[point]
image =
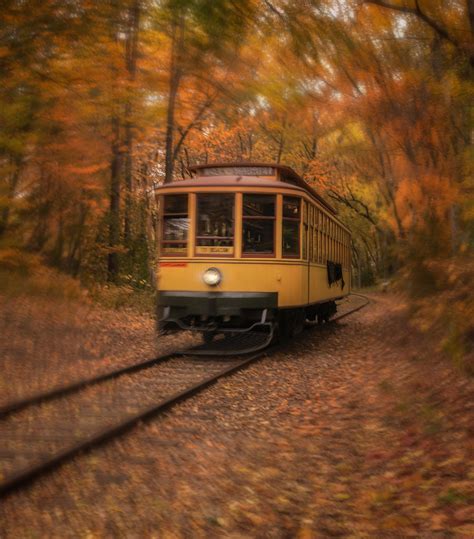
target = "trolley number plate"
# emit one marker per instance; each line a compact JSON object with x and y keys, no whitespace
{"x":214,"y":250}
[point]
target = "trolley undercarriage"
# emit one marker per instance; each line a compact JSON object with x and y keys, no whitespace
{"x":250,"y":318}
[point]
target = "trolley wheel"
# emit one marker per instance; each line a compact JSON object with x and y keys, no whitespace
{"x":299,"y":318}
{"x":290,"y":323}
{"x":208,"y":336}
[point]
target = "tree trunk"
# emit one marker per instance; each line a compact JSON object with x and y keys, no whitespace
{"x":356,"y":259}
{"x":470,"y":10}
{"x":57,"y":254}
{"x":128,"y":167}
{"x":177,"y":42}
{"x":281,"y":145}
{"x":114,"y":205}
{"x":11,"y":188}
{"x":388,"y":181}
{"x":76,"y":241}
{"x":131,"y":64}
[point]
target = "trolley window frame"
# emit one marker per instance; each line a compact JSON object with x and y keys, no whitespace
{"x":196,"y":225}
{"x":163,"y":241}
{"x":297,"y":220}
{"x":244,"y":254}
{"x":306,"y":229}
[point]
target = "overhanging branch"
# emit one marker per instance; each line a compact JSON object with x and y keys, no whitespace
{"x":418,"y":12}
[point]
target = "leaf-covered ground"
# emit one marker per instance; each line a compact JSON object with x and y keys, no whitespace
{"x":358,"y":429}
{"x":46,"y":343}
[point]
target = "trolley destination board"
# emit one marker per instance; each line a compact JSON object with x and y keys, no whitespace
{"x":214,"y":249}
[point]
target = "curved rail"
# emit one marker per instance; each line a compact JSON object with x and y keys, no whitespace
{"x":61,"y":391}
{"x":110,"y":431}
{"x":35,"y":469}
{"x":343,"y":315}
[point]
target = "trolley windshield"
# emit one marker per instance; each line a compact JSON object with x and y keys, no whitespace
{"x":215,"y":224}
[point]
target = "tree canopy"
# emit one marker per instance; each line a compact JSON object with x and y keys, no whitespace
{"x":371,"y":101}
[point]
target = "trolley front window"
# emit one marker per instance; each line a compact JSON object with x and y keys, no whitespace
{"x":175,"y":225}
{"x":215,"y":224}
{"x":291,"y":227}
{"x":258,"y":225}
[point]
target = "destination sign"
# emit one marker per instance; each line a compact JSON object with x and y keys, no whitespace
{"x":214,"y":250}
{"x":238,"y":171}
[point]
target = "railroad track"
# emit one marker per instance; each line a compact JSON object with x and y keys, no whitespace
{"x":40,"y":432}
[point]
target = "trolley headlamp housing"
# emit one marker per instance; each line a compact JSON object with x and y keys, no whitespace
{"x":212,"y":277}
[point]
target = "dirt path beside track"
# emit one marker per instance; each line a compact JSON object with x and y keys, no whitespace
{"x":357,"y":429}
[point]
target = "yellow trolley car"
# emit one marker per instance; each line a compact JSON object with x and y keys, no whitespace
{"x":248,"y":247}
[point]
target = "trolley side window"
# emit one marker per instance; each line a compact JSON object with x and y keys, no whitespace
{"x":317,"y":237}
{"x":306,"y":229}
{"x":175,"y":225}
{"x":258,"y":225}
{"x":215,"y":224}
{"x":291,"y":227}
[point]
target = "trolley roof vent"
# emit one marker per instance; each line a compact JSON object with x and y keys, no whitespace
{"x":235,"y":169}
{"x":261,"y":171}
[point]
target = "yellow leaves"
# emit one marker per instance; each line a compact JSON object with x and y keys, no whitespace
{"x":383,"y":495}
{"x":438,"y":521}
{"x":376,"y":18}
{"x":305,"y":532}
{"x":243,"y":469}
{"x":394,"y":522}
{"x":17,"y":260}
{"x":269,"y":472}
{"x":256,"y":519}
{"x":372,"y":425}
{"x":466,"y":530}
{"x":342,"y":496}
{"x":412,"y":481}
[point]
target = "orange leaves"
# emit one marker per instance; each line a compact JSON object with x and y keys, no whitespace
{"x":91,"y":169}
{"x":427,"y":194}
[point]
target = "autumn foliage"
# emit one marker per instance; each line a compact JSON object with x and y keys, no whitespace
{"x":370,"y":102}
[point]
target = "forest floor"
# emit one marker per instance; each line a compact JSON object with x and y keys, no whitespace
{"x":358,"y":429}
{"x":46,"y":343}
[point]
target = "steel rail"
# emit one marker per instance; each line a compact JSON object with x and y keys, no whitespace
{"x":104,"y":434}
{"x":343,"y":315}
{"x":60,"y":391}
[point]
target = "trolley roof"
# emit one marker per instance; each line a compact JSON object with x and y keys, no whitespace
{"x":286,"y":175}
{"x":244,"y":173}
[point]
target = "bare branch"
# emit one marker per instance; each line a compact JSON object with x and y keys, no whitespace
{"x":274,"y":9}
{"x":199,"y":114}
{"x":352,"y":204}
{"x":417,"y":11}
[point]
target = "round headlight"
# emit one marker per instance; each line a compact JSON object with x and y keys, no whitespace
{"x":212,"y":277}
